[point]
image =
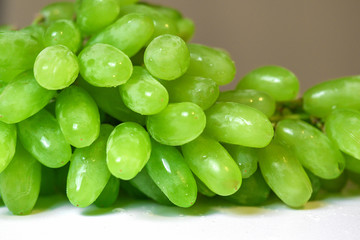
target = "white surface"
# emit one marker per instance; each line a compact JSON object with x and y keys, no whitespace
{"x":334,"y":217}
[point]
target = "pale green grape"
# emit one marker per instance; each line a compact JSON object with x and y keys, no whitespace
{"x":253,"y":98}
{"x":167,"y":57}
{"x":211,"y":63}
{"x":63,"y":32}
{"x":8,"y":136}
{"x":56,"y":67}
{"x":22,"y":98}
{"x":143,"y":94}
{"x":238,"y":124}
{"x":342,"y":127}
{"x":177,"y":124}
{"x":285,"y":175}
{"x":203,"y":189}
{"x":88,"y":172}
{"x":280,"y":83}
{"x":57,"y":11}
{"x":129,"y":34}
{"x":307,"y":142}
{"x":94,"y":15}
{"x":20,"y":182}
{"x":103,"y":65}
{"x":128,"y":150}
{"x":42,"y":137}
{"x":322,"y":98}
{"x":198,"y":90}
{"x":78,"y":116}
{"x":213,"y":165}
{"x":170,"y":173}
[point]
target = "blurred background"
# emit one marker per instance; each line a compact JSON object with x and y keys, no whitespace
{"x":318,"y":40}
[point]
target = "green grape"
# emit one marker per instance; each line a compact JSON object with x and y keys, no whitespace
{"x":88,"y":172}
{"x":163,"y":24}
{"x":94,"y":15}
{"x":146,"y":185}
{"x":352,"y":164}
{"x":334,"y":185}
{"x":186,"y":28}
{"x":315,"y":184}
{"x":78,"y":116}
{"x":18,"y":52}
{"x":63,"y":32}
{"x":177,"y":124}
{"x":168,"y":170}
{"x":164,"y":10}
{"x":322,"y":98}
{"x":198,"y":90}
{"x":307,"y":142}
{"x":285,"y":175}
{"x":213,"y":165}
{"x":354,"y":177}
{"x":238,"y":124}
{"x":110,"y":193}
{"x":48,"y":181}
{"x":246,"y":158}
{"x":41,"y":136}
{"x":167,"y":57}
{"x":253,"y":98}
{"x":342,"y":127}
{"x":109,"y":101}
{"x":57,"y":11}
{"x":128,"y":150}
{"x":280,"y":83}
{"x":20,"y":182}
{"x":22,"y":98}
{"x":143,"y":94}
{"x":8,"y":136}
{"x":56,"y":67}
{"x":211,"y":63}
{"x":132,"y":191}
{"x":253,"y":191}
{"x":103,"y":65}
{"x":203,"y":189}
{"x":129,"y":34}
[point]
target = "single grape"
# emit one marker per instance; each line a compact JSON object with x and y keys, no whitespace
{"x":56,"y":67}
{"x":238,"y":124}
{"x":128,"y":150}
{"x":186,"y":28}
{"x":110,"y":193}
{"x":57,"y":11}
{"x":22,"y":98}
{"x":322,"y":98}
{"x":129,"y":34}
{"x":211,"y":63}
{"x":167,"y":57}
{"x":88,"y":172}
{"x":78,"y":116}
{"x":143,"y":94}
{"x":336,"y":184}
{"x":280,"y":83}
{"x":285,"y":175}
{"x":307,"y":142}
{"x":213,"y":165}
{"x":203,"y":189}
{"x":168,"y":170}
{"x":352,"y":164}
{"x":63,"y":32}
{"x":20,"y":182}
{"x":177,"y":124}
{"x":103,"y":65}
{"x":342,"y":127}
{"x":41,"y":136}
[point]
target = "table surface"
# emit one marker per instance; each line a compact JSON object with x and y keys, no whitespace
{"x":334,"y":216}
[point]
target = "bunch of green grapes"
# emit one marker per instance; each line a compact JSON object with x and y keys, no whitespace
{"x":97,"y":94}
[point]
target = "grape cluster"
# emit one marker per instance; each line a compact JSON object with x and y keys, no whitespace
{"x":97,"y":94}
